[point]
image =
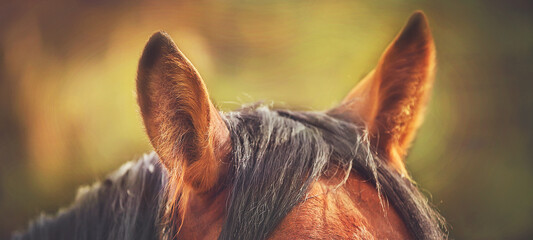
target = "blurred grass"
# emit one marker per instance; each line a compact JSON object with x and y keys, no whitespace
{"x":68,"y":114}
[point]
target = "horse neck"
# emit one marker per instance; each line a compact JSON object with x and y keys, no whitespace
{"x":124,"y":206}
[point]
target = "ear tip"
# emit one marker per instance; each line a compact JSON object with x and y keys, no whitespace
{"x":419,"y":15}
{"x":419,"y":20}
{"x":415,"y":31}
{"x":161,"y":39}
{"x":160,"y":36}
{"x":158,"y":43}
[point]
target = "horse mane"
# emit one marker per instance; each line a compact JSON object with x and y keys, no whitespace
{"x":124,"y":206}
{"x":276,"y":156}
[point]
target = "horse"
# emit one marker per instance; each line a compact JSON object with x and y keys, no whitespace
{"x":261,"y":172}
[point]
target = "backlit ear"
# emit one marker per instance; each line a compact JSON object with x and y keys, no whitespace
{"x":184,"y":127}
{"x":390,"y":100}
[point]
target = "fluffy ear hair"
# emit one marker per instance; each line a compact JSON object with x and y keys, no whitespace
{"x":391,"y":99}
{"x":184,"y":127}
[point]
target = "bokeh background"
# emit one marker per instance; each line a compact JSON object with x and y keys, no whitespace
{"x":68,"y":114}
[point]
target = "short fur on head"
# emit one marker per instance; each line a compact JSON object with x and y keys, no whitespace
{"x":262,"y":173}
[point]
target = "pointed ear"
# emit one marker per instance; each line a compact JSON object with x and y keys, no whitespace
{"x":185,"y":129}
{"x":390,"y":100}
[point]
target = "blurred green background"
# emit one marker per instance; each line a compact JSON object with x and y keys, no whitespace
{"x":68,"y":114}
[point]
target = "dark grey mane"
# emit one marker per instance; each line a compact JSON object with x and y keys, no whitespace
{"x":124,"y":206}
{"x":277,"y":154}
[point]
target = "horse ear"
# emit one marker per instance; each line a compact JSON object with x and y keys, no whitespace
{"x":184,"y":127}
{"x":391,"y":99}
